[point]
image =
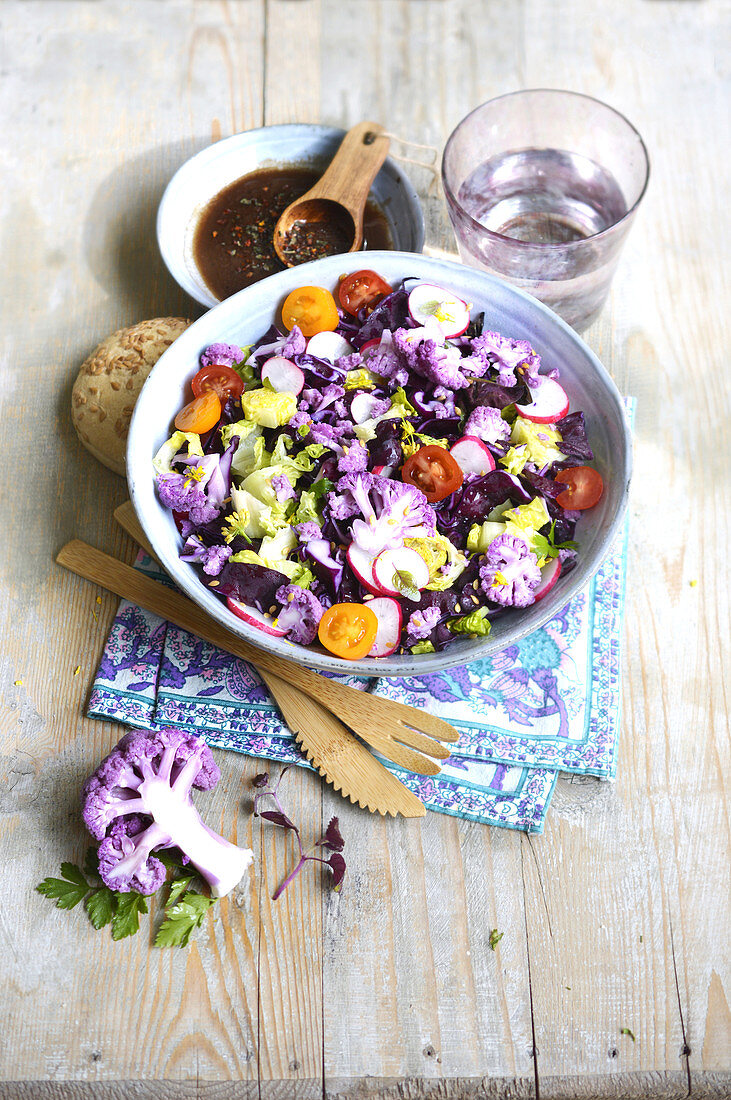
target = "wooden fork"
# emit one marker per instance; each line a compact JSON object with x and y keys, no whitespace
{"x":403,"y":734}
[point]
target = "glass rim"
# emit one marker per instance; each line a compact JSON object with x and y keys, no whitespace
{"x":533,"y":245}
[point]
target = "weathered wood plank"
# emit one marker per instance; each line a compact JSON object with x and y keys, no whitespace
{"x":389,"y":989}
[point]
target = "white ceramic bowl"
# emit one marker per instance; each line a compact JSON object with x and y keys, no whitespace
{"x":306,"y":146}
{"x":243,"y":318}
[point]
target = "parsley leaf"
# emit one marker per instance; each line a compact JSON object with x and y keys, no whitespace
{"x":495,"y":938}
{"x":126,"y":916}
{"x":181,"y":919}
{"x":100,"y":906}
{"x":626,"y":1031}
{"x":67,"y":891}
{"x":178,"y":886}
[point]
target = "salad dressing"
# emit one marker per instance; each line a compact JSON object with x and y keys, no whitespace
{"x":233,"y":246}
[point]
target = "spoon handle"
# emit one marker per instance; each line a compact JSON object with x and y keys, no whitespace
{"x":351,"y":172}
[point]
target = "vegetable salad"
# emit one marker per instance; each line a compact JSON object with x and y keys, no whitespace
{"x":383,"y":473}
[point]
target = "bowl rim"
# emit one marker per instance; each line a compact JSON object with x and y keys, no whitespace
{"x":395,"y":665}
{"x":229,"y":146}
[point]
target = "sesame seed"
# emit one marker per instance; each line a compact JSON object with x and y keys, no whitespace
{"x":458,"y":607}
{"x":213,"y":584}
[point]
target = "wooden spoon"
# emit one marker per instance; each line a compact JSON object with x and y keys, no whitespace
{"x":333,"y":207}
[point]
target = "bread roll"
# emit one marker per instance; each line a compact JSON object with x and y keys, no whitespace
{"x":109,"y":383}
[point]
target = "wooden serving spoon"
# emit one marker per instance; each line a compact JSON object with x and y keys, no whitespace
{"x":332,"y":209}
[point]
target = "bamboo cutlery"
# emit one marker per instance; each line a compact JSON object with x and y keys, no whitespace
{"x":333,"y":723}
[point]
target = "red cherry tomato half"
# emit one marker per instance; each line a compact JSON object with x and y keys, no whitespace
{"x":362,"y":288}
{"x":584,"y":487}
{"x":433,"y":470}
{"x":348,"y":630}
{"x":222,"y":380}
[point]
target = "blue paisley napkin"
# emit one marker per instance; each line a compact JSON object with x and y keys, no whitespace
{"x":549,"y":703}
{"x":153,"y":673}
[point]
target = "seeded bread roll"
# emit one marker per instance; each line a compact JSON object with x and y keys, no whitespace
{"x":109,"y":383}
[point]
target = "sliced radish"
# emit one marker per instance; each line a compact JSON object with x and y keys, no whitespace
{"x":362,"y":565}
{"x":362,"y":406}
{"x":390,"y":619}
{"x":549,"y":402}
{"x":428,"y":301}
{"x":549,"y":575}
{"x":472,"y":456}
{"x":283,"y":376}
{"x":390,"y":563}
{"x":384,"y":471}
{"x":255,"y":618}
{"x":329,"y":346}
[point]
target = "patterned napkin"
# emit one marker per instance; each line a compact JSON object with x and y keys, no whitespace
{"x":549,"y":703}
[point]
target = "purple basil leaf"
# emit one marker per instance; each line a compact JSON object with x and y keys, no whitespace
{"x":332,"y":838}
{"x":337,"y":863}
{"x":278,"y":818}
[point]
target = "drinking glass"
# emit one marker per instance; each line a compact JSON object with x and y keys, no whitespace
{"x":542,"y":187}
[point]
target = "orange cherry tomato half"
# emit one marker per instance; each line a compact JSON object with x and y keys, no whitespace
{"x":433,"y":470}
{"x":348,"y":630}
{"x":584,"y":487}
{"x":362,"y":288}
{"x":201,"y":414}
{"x":223,"y":380}
{"x":312,"y":309}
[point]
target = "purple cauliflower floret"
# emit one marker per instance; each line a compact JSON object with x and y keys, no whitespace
{"x":444,"y":405}
{"x":421,"y":354}
{"x":187,"y":498}
{"x":354,"y":459}
{"x":121,"y":843}
{"x":487,"y":424}
{"x":223,"y":355}
{"x":300,"y":615}
{"x":510,"y":574}
{"x":282,"y":487}
{"x":201,"y":488}
{"x":383,"y":361}
{"x":421,"y":623}
{"x":139,"y":800}
{"x":212,"y":558}
{"x":294,"y":344}
{"x":327,"y":434}
{"x":300,"y":419}
{"x":288,"y":344}
{"x":505,"y":355}
{"x":391,"y":511}
{"x":307,"y":531}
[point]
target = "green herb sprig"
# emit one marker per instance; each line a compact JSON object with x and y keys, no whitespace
{"x":184,"y":908}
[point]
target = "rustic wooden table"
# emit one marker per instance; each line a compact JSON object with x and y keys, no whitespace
{"x":616,"y":918}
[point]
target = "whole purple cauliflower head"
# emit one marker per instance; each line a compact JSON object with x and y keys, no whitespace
{"x":138,"y":801}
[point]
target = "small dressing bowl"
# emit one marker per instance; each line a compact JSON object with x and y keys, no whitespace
{"x":311,"y":147}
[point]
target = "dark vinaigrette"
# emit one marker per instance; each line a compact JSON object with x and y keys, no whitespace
{"x":232,"y":245}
